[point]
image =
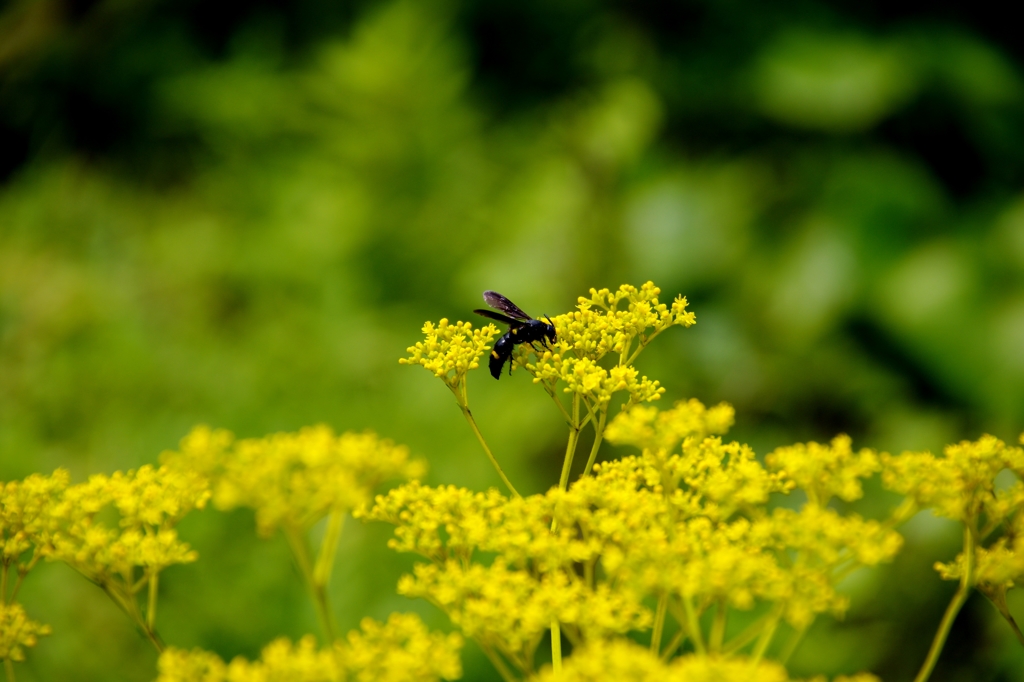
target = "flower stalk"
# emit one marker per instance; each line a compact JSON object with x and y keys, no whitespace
{"x":959,"y":598}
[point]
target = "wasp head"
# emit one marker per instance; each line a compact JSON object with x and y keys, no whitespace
{"x":549,"y":330}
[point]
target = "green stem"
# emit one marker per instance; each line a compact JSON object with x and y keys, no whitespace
{"x":998,"y":599}
{"x":22,"y":572}
{"x":300,"y":550}
{"x":154,"y":639}
{"x":570,"y":447}
{"x":479,"y":436}
{"x":840,"y":574}
{"x":498,"y":664}
{"x":748,"y":635}
{"x":642,"y":343}
{"x":625,"y":353}
{"x":138,"y":584}
{"x":561,"y":408}
{"x":659,"y":623}
{"x":9,"y":669}
{"x":598,"y":436}
{"x":718,"y":627}
{"x":529,"y":652}
{"x":1015,"y":628}
{"x":328,"y":548}
{"x":154,"y":581}
{"x":523,"y":662}
{"x":563,"y":483}
{"x":693,"y":625}
{"x":131,"y":608}
{"x":791,"y":645}
{"x":673,"y":644}
{"x":766,"y":637}
{"x":125,"y":601}
{"x":572,"y":634}
{"x":953,"y":609}
{"x":556,"y":646}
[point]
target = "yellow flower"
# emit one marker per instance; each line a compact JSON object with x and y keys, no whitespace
{"x":959,"y":484}
{"x":17,"y":632}
{"x":71,"y":524}
{"x":178,"y":665}
{"x":293,"y":479}
{"x":150,"y":501}
{"x":832,"y":538}
{"x":1000,"y":566}
{"x":650,"y":429}
{"x":707,"y":476}
{"x":822,"y":544}
{"x":510,"y":609}
{"x":626,"y":661}
{"x":671,"y":526}
{"x":25,"y":512}
{"x":402,"y":650}
{"x":450,"y":350}
{"x":721,"y":479}
{"x":823,"y":471}
{"x":596,"y":329}
{"x":437,"y":523}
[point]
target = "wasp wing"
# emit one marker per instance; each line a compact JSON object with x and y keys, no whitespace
{"x":499,"y":302}
{"x":499,"y":317}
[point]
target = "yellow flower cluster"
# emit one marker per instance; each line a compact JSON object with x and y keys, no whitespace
{"x":998,"y":567}
{"x":450,"y":350}
{"x":25,"y":512}
{"x":402,"y":650}
{"x":150,"y":502}
{"x":507,"y":605}
{"x":659,"y":431}
{"x":598,"y":327}
{"x":705,"y":476}
{"x":438,"y":523}
{"x":511,"y":609}
{"x":689,"y":527}
{"x":25,"y":516}
{"x":71,"y":523}
{"x":625,"y":661}
{"x":790,"y":558}
{"x":17,"y":632}
{"x":616,"y":330}
{"x":823,"y":545}
{"x":961,"y":485}
{"x":824,"y":471}
{"x":292,"y":479}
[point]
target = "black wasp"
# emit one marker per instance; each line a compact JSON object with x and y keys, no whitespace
{"x":521,"y":329}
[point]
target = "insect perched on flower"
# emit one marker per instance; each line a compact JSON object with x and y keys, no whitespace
{"x":521,"y":329}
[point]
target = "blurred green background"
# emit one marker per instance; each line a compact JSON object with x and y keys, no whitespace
{"x":241,"y":213}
